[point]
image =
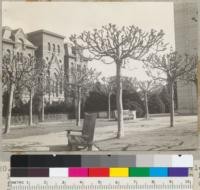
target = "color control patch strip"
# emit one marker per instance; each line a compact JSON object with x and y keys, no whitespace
{"x":100,"y":172}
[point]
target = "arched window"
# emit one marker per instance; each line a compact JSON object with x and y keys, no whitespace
{"x":57,"y":88}
{"x":17,"y":56}
{"x":54,"y":48}
{"x":61,"y":87}
{"x":22,"y":43}
{"x":21,"y":56}
{"x":49,"y":46}
{"x":8,"y":52}
{"x":58,"y":49}
{"x":53,"y":88}
{"x":73,"y":51}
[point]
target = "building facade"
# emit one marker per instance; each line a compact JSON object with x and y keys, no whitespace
{"x":73,"y":62}
{"x":59,"y":58}
{"x":51,"y":50}
{"x":186,"y":41}
{"x":15,"y":42}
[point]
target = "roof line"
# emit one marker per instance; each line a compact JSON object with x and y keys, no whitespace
{"x":47,"y":32}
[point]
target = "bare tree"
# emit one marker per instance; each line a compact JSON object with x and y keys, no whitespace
{"x":45,"y":80}
{"x":15,"y":68}
{"x":31,"y":82}
{"x":170,"y":68}
{"x":112,"y":44}
{"x":107,"y":87}
{"x":81,"y":81}
{"x":192,"y":76}
{"x":146,"y":87}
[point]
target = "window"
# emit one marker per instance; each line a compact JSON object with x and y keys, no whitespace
{"x":53,"y":90}
{"x":73,"y":51}
{"x":22,"y":43}
{"x":56,"y":89}
{"x":61,"y":87}
{"x":17,"y":56}
{"x":54,"y":48}
{"x":8,"y":52}
{"x":78,"y":68}
{"x":21,"y":57}
{"x":49,"y":47}
{"x":58,"y":49}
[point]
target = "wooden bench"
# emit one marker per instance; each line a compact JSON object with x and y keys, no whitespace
{"x":127,"y":114}
{"x":86,"y":136}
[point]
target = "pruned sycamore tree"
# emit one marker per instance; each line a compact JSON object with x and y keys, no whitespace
{"x":146,"y":87}
{"x":32,"y":82}
{"x":14,"y":69}
{"x":192,"y":77}
{"x":45,"y":81}
{"x":81,"y":82}
{"x":170,"y":67}
{"x":112,"y":44}
{"x":107,"y":88}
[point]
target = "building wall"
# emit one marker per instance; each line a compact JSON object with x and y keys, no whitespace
{"x":16,"y":43}
{"x":54,"y":60}
{"x":72,"y":59}
{"x":186,"y":41}
{"x":37,"y":41}
{"x":56,"y":94}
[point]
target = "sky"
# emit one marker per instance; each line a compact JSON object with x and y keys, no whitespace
{"x":68,"y":18}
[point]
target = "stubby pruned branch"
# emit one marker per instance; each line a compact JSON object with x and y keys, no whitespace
{"x":119,"y":43}
{"x":171,"y":67}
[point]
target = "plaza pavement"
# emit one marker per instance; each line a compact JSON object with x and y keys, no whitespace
{"x":140,"y":135}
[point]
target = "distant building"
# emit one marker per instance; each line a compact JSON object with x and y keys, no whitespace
{"x":186,"y":41}
{"x":60,"y":58}
{"x":72,"y":59}
{"x":51,"y":49}
{"x":15,"y":42}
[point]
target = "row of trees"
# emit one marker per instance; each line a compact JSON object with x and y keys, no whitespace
{"x":19,"y":74}
{"x":109,"y":44}
{"x":112,"y":44}
{"x":136,"y":96}
{"x":28,"y":77}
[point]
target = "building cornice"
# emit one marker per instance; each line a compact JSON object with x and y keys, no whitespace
{"x":46,"y":32}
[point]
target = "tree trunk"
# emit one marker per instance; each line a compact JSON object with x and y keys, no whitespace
{"x":120,"y":120}
{"x":41,"y":118}
{"x":171,"y":86}
{"x":109,"y":95}
{"x":9,"y":111}
{"x":78,"y":107}
{"x":31,"y":109}
{"x":146,"y":106}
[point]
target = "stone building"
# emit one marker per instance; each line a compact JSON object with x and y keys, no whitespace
{"x":51,"y":49}
{"x":15,"y":42}
{"x":186,"y":41}
{"x":72,"y":60}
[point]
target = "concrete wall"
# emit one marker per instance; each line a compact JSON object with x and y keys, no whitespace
{"x":186,"y":41}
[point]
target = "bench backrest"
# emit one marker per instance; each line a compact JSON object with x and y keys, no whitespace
{"x":89,"y":125}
